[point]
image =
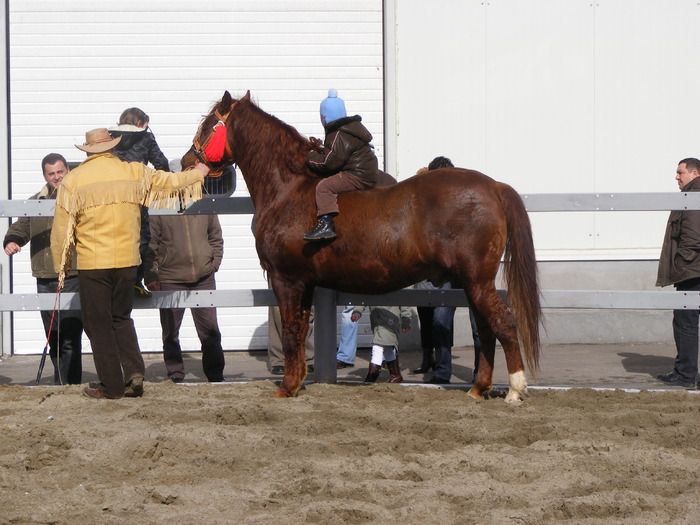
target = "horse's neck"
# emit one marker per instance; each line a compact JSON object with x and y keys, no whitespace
{"x":265,"y":185}
{"x":266,"y":170}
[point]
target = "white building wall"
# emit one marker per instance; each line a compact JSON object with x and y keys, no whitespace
{"x":76,"y":65}
{"x":553,"y":96}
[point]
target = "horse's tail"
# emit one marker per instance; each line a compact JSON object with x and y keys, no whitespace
{"x":520,"y":269}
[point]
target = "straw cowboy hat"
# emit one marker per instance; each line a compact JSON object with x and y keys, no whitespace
{"x":98,"y":141}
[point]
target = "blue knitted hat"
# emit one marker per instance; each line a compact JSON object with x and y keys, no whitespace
{"x":332,"y":108}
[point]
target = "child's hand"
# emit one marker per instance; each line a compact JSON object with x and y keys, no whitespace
{"x":316,"y":143}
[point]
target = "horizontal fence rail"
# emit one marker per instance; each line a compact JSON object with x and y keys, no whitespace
{"x":611,"y":201}
{"x":556,"y":299}
{"x":205,"y":206}
{"x":536,"y":202}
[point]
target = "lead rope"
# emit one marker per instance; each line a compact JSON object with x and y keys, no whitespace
{"x":48,"y":338}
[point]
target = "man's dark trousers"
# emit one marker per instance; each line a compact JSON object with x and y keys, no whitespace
{"x":106,"y":300}
{"x":207,"y":328}
{"x":65,"y":340}
{"x":685,"y":334}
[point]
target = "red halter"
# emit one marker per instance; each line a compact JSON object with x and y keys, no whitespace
{"x":214,"y":147}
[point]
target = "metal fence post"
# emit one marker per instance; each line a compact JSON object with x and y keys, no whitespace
{"x":325,"y":370}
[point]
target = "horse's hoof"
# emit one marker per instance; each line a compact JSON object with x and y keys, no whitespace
{"x":283,"y":392}
{"x":475,"y":394}
{"x":517,"y":388}
{"x":514,"y":399}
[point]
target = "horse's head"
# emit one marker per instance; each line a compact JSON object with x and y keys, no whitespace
{"x":239,"y":132}
{"x":212,"y":144}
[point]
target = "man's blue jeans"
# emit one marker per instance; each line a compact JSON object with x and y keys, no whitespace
{"x":348,"y":337}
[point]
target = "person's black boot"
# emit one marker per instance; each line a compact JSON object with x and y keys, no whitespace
{"x":394,"y":371}
{"x":324,"y":230}
{"x":428,"y":362}
{"x":373,"y":373}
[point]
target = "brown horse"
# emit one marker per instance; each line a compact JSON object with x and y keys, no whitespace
{"x":447,"y":224}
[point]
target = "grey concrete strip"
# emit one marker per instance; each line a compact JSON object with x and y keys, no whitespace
{"x":624,"y":366}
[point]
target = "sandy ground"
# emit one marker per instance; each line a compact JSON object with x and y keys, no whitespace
{"x":348,"y":453}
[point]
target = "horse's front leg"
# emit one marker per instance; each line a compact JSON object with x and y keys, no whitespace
{"x":294,"y":311}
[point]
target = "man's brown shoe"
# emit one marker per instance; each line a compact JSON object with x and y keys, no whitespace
{"x":94,"y":393}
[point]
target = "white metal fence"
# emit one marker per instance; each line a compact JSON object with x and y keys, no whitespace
{"x":326,"y":301}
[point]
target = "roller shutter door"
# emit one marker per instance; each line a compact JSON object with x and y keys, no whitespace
{"x":76,"y":65}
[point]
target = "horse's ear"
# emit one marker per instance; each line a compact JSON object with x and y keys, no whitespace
{"x":227,"y":99}
{"x":246,"y":97}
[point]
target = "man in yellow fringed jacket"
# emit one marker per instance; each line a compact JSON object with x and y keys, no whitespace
{"x":98,"y":211}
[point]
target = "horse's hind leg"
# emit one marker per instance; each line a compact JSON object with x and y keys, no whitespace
{"x":294,"y":310}
{"x":484,"y":377}
{"x":497,"y":322}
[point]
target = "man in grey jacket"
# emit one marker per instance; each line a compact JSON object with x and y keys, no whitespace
{"x":66,"y":332}
{"x":184,"y":253}
{"x":679,"y":265}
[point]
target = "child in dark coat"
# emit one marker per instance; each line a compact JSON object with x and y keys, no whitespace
{"x":346,"y":160}
{"x":138,"y":144}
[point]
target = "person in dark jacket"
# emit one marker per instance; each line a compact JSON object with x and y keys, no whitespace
{"x":138,"y":144}
{"x":679,"y":265}
{"x":346,"y":160}
{"x":66,"y":332}
{"x":184,"y":253}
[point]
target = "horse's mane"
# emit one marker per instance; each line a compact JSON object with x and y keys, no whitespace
{"x":278,"y":144}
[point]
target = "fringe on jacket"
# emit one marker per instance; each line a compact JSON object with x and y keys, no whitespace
{"x":140,"y":192}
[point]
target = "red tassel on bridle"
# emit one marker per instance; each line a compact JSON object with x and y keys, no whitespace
{"x":214,"y":150}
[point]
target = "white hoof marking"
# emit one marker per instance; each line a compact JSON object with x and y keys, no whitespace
{"x":517,"y":387}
